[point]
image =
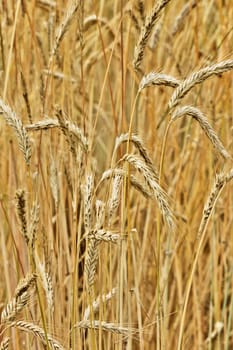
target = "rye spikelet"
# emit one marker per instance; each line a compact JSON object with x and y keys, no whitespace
{"x":21,"y":299}
{"x":154,"y":186}
{"x":21,"y":133}
{"x":204,"y":124}
{"x":154,"y":78}
{"x":5,"y":344}
{"x":146,"y":32}
{"x":38,"y":333}
{"x":197,"y":78}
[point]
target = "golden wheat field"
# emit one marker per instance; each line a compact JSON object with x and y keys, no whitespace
{"x":116,"y":174}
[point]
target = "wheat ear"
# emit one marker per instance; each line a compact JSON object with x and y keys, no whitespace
{"x":88,"y":189}
{"x":43,"y":125}
{"x":137,"y":142}
{"x":220,"y":181}
{"x":105,"y":326}
{"x":21,"y":133}
{"x":103,"y":235}
{"x":154,"y":78}
{"x":70,"y":130}
{"x":152,"y":182}
{"x":73,"y":133}
{"x":5,"y":344}
{"x":96,"y":303}
{"x":71,"y":10}
{"x":22,"y":215}
{"x":146,"y":32}
{"x":204,"y":124}
{"x":108,"y":174}
{"x":197,"y":78}
{"x":39,"y":333}
{"x":20,"y":299}
{"x":114,"y":200}
{"x":178,"y":23}
{"x":90,"y":266}
{"x":46,"y":283}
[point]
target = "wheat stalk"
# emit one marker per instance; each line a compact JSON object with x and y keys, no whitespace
{"x":204,"y":124}
{"x":21,"y":133}
{"x":197,"y":78}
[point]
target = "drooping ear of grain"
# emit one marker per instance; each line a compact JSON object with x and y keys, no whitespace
{"x":204,"y":124}
{"x":21,"y":133}
{"x":154,"y":186}
{"x":20,"y":300}
{"x":197,"y":78}
{"x":146,"y":31}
